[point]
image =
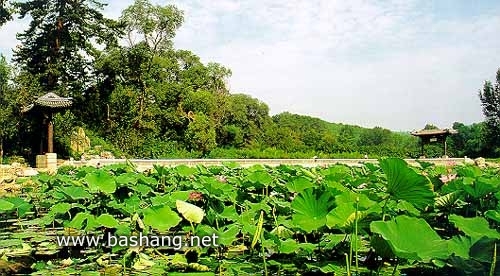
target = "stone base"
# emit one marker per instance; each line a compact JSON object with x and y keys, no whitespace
{"x":51,"y":161}
{"x":41,"y":161}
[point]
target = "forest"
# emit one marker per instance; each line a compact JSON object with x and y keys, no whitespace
{"x":136,"y":95}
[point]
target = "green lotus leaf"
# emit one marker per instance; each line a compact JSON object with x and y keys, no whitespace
{"x":351,"y":197}
{"x":343,"y":216}
{"x":79,"y":220}
{"x":476,"y":227}
{"x":404,"y":183}
{"x":260,"y":177}
{"x":60,"y":208}
{"x":288,"y":246}
{"x":311,"y":209}
{"x":6,"y":205}
{"x":298,"y":184}
{"x":185,"y":171}
{"x":101,"y":181}
{"x":493,"y":214}
{"x":126,"y":179}
{"x":411,"y":238}
{"x":460,"y":246}
{"x":75,"y":192}
{"x":161,"y":218}
{"x":481,"y":187}
{"x":20,"y":205}
{"x":225,"y":236}
{"x":107,"y":221}
{"x":142,"y":189}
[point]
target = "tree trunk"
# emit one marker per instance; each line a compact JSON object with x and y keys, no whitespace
{"x":50,"y":136}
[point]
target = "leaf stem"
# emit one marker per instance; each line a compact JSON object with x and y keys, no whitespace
{"x":348,"y":268}
{"x":383,"y":207}
{"x":356,"y":235}
{"x":263,"y":253}
{"x":494,"y":261}
{"x":395,"y":267}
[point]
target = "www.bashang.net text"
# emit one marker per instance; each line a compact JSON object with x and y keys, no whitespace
{"x":172,"y":241}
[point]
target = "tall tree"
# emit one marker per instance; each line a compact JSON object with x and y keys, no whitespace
{"x":58,"y":46}
{"x":5,"y":12}
{"x":156,"y":25}
{"x":7,"y":104}
{"x":490,"y":99}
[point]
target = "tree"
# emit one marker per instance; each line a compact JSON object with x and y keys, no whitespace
{"x":57,"y":47}
{"x":469,"y":140}
{"x":7,"y":104}
{"x":200,"y":134}
{"x":490,"y":101}
{"x":156,"y":24}
{"x":375,"y":137}
{"x":430,"y":127}
{"x":5,"y":12}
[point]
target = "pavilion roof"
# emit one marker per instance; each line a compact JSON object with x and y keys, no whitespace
{"x":53,"y":100}
{"x":50,"y":100}
{"x":432,"y":132}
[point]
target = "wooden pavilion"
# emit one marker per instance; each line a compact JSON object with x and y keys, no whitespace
{"x":428,"y":136}
{"x":49,"y":104}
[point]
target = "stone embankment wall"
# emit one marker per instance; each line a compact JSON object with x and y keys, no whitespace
{"x":144,"y":164}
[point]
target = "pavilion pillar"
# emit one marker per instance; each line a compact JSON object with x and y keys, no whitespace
{"x":444,"y":146}
{"x":50,"y":137}
{"x":422,"y":147}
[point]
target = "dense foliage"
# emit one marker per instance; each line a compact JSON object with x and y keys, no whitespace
{"x":289,"y":220}
{"x":136,"y":95}
{"x":490,"y":99}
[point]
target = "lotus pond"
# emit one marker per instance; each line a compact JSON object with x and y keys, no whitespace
{"x":384,"y":219}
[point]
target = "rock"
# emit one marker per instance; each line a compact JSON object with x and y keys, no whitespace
{"x":79,"y":141}
{"x":480,"y":162}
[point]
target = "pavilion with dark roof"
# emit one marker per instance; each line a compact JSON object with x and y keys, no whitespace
{"x":428,"y":136}
{"x":49,"y":104}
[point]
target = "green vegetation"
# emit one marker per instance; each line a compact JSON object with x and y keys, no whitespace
{"x":137,"y":96}
{"x":388,"y":219}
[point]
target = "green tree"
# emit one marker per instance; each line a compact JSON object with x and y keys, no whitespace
{"x":490,"y":100}
{"x":249,"y":115}
{"x":5,"y":12}
{"x":469,"y":140}
{"x":375,"y":137}
{"x":200,"y":134}
{"x":430,"y":127}
{"x":7,"y":104}
{"x":57,"y":47}
{"x":154,"y":23}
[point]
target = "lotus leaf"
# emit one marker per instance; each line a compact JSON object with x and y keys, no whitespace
{"x":404,"y":183}
{"x":189,"y":211}
{"x":161,"y":218}
{"x":6,"y":205}
{"x":101,"y":181}
{"x":476,"y":227}
{"x":107,"y":221}
{"x":411,"y":238}
{"x":311,"y":209}
{"x":298,"y":184}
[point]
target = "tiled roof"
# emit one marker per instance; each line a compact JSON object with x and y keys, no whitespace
{"x":426,"y":132}
{"x":54,"y":101}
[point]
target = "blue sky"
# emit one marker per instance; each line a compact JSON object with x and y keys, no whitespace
{"x":395,"y":64}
